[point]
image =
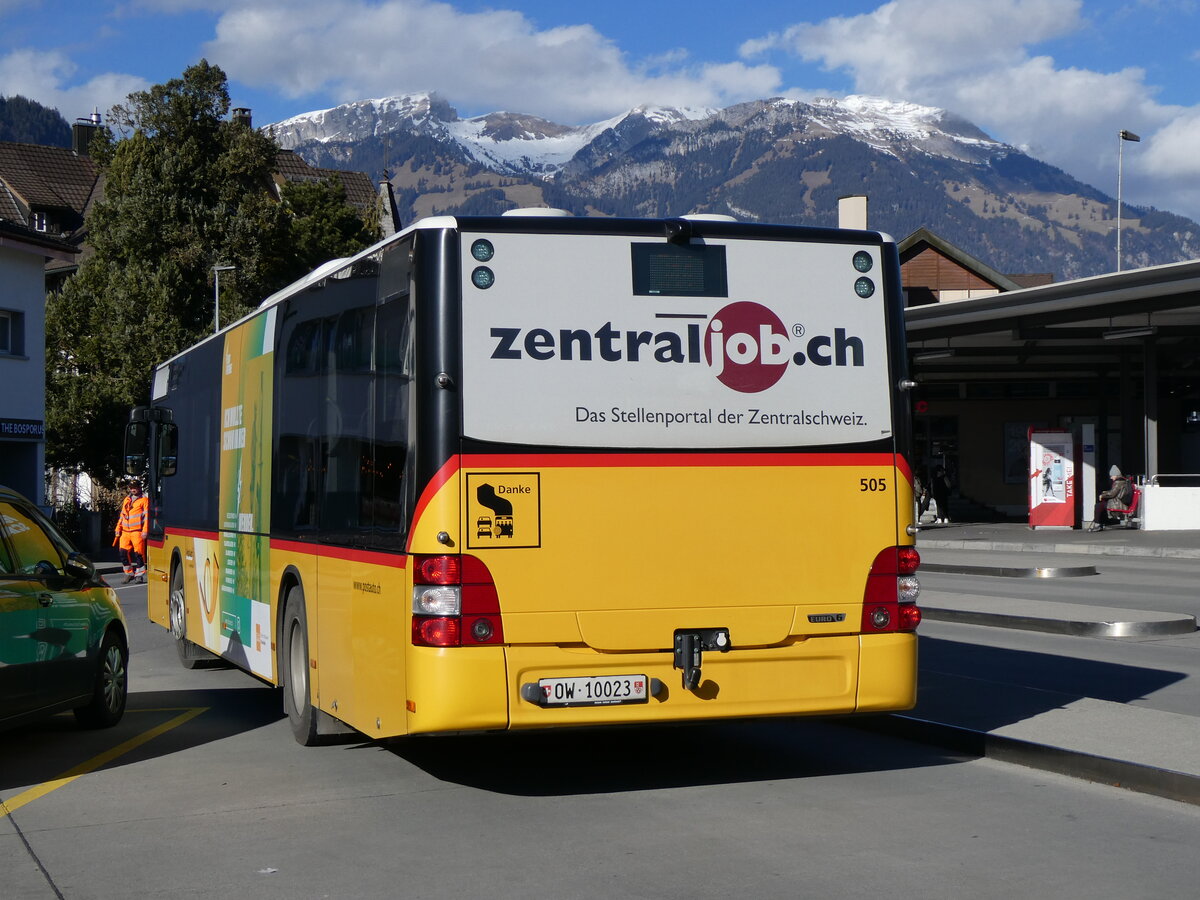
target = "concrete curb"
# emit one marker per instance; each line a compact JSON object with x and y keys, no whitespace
{"x":1010,"y":571}
{"x":1132,"y":776}
{"x":1090,"y":549}
{"x":1049,"y":617}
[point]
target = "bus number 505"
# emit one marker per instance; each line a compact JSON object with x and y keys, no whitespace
{"x":872,"y":484}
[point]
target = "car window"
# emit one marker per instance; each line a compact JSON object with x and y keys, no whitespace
{"x":30,"y":543}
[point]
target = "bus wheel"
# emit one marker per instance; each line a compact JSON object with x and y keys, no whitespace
{"x":294,"y":669}
{"x":191,"y":656}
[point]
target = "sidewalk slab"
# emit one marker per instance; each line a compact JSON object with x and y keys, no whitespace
{"x":1121,"y":744}
{"x":1018,"y":538}
{"x":1124,"y":744}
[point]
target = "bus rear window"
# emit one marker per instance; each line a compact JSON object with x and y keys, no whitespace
{"x":675,"y":270}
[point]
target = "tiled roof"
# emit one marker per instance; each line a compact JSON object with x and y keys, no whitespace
{"x":48,"y":177}
{"x":9,"y":208}
{"x":360,"y":190}
{"x":292,"y":167}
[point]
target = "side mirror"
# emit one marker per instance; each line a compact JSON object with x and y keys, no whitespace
{"x":79,"y":566}
{"x":168,"y":449}
{"x":136,"y":436}
{"x":45,"y":569}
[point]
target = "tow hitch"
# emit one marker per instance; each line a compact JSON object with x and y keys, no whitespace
{"x":690,"y":646}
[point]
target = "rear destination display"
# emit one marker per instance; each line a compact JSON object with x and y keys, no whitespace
{"x":775,"y":347}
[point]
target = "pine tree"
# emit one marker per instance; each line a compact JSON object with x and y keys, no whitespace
{"x":185,"y":190}
{"x":26,"y":121}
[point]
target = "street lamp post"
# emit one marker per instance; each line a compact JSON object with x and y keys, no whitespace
{"x":217,"y":270}
{"x":1122,"y":137}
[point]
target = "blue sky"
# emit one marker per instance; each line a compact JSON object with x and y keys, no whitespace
{"x":1058,"y":78}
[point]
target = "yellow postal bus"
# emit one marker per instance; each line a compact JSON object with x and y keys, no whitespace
{"x":533,"y":471}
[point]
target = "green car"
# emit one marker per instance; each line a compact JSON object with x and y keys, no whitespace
{"x":63,"y":639}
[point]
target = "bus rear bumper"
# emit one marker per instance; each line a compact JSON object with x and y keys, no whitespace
{"x":466,"y":689}
{"x":815,"y":677}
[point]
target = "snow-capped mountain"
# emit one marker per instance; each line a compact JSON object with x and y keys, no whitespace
{"x":779,"y":160}
{"x":513,"y":143}
{"x":523,"y":144}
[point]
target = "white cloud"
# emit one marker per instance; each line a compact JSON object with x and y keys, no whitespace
{"x":974,"y":57}
{"x":1175,"y":147}
{"x":904,"y":44}
{"x":354,"y":49}
{"x":46,"y":77}
{"x":7,"y":6}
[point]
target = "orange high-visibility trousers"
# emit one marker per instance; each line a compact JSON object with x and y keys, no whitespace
{"x":133,"y":553}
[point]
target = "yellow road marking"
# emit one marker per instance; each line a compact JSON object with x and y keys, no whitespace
{"x":8,"y":807}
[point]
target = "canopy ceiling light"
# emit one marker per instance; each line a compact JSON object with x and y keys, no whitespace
{"x":1116,"y":334}
{"x":932,"y":354}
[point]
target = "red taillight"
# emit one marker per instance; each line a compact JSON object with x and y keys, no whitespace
{"x":437,"y":570}
{"x":890,"y":592}
{"x":479,"y":621}
{"x":436,"y":631}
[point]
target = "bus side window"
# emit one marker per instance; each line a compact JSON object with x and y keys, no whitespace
{"x":392,"y":355}
{"x":345,"y":508}
{"x":298,"y":390}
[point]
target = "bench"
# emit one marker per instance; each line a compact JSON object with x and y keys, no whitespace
{"x":1126,"y":515}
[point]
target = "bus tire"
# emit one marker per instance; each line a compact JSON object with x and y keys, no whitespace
{"x":294,"y":670}
{"x":191,"y":655}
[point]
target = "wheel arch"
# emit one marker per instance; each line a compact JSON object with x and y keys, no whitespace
{"x":290,"y":578}
{"x":176,"y":563}
{"x":116,"y":627}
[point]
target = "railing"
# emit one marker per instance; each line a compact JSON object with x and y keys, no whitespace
{"x":1176,"y":480}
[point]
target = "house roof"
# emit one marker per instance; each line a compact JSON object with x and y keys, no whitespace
{"x":923,"y":237}
{"x":49,"y":177}
{"x":360,"y":191}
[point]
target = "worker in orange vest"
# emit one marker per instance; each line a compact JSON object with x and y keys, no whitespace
{"x":132,"y":528}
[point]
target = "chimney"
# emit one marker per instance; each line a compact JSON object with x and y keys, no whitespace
{"x":852,"y":212}
{"x":83,"y":131}
{"x":241,"y":115}
{"x":390,"y":218}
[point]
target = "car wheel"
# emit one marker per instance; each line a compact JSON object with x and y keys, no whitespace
{"x":294,"y":670}
{"x":111,"y":689}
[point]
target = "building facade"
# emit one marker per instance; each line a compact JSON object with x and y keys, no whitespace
{"x":23,"y":256}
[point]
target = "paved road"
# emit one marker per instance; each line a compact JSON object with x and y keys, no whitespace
{"x":1160,"y":672}
{"x":212,"y":797}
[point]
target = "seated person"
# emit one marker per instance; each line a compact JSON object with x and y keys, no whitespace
{"x":1118,"y":496}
